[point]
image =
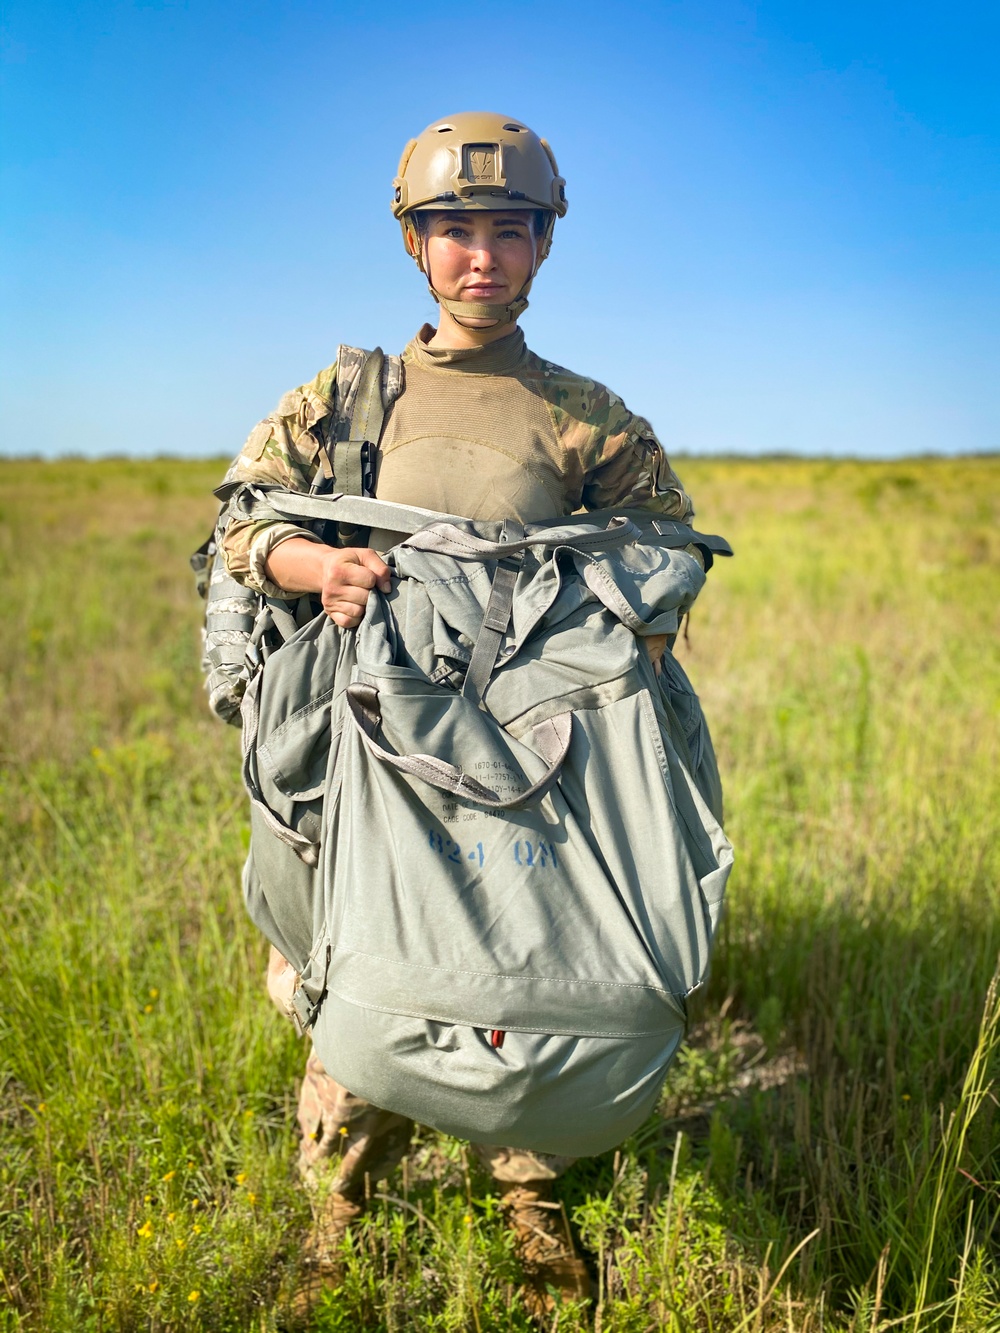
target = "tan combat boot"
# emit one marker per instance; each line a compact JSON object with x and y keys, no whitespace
{"x":320,"y":1266}
{"x":544,"y":1246}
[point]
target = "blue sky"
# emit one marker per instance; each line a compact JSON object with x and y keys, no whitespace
{"x":783,"y":235}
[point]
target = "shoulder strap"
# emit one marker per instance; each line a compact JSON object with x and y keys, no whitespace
{"x":368,"y":383}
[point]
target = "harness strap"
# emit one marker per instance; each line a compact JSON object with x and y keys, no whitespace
{"x":364,"y":423}
{"x":550,"y":738}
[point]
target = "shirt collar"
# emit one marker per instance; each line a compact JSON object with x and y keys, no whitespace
{"x":496,"y":358}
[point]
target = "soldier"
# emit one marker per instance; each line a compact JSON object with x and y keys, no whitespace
{"x":487,"y":429}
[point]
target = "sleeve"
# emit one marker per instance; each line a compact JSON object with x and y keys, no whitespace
{"x":285,"y":449}
{"x":631,"y":469}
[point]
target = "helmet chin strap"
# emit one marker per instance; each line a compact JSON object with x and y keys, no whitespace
{"x":462,"y":311}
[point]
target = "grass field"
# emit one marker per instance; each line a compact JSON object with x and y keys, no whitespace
{"x":825,"y":1157}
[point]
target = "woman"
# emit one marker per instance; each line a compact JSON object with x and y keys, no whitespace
{"x":485,"y":429}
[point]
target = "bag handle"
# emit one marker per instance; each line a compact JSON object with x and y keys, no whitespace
{"x":496,"y":618}
{"x":551,"y":737}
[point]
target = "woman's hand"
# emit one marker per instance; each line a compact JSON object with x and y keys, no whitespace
{"x":349,"y":575}
{"x":342,"y":575}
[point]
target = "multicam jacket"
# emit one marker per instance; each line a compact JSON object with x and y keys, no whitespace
{"x":485,"y":432}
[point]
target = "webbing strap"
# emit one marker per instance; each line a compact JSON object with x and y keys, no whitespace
{"x":550,"y":738}
{"x":349,"y":465}
{"x":460,"y":311}
{"x":363,"y":510}
{"x":369,"y":512}
{"x":496,"y":619}
{"x":447,"y":539}
{"x":365,"y":426}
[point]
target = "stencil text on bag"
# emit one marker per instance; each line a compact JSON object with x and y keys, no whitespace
{"x":527,"y":853}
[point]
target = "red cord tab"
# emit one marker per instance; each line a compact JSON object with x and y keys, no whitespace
{"x":496,"y":1038}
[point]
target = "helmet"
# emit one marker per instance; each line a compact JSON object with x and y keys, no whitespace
{"x":478,"y":160}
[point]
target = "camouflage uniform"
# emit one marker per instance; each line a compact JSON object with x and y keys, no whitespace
{"x":497,"y":432}
{"x":487,"y":432}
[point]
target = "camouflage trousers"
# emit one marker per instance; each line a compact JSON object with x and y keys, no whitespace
{"x":345,"y":1138}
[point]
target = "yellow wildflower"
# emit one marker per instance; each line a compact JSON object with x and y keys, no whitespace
{"x":251,"y":1196}
{"x":169,"y":1176}
{"x":146,"y":1230}
{"x":154,"y":994}
{"x":240,"y":1177}
{"x":181,"y":1242}
{"x":147,"y":1008}
{"x":467,"y":1219}
{"x":153,"y":1286}
{"x":171,"y":1216}
{"x":42,"y":1108}
{"x":193,"y":1296}
{"x":343,"y":1131}
{"x":196,"y":1229}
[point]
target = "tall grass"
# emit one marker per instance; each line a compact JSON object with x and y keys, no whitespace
{"x":825,"y":1154}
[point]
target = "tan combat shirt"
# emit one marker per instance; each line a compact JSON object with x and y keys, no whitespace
{"x":486,"y":432}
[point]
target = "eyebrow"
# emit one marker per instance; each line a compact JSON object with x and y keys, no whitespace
{"x":451,"y":217}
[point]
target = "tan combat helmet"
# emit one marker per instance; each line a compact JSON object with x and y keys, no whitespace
{"x":478,"y":160}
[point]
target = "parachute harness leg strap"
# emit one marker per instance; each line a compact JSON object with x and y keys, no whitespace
{"x":496,"y":619}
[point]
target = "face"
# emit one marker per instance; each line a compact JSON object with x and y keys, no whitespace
{"x":479,"y":256}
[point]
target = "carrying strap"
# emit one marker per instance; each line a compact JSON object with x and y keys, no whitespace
{"x":551,"y":739}
{"x":496,"y":618}
{"x":363,"y":510}
{"x":449,"y":539}
{"x":615,"y":527}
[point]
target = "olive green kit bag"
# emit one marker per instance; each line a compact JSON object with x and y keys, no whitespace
{"x":485,"y":833}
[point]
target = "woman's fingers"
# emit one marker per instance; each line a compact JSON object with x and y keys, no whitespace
{"x":372,"y":561}
{"x":351,"y":573}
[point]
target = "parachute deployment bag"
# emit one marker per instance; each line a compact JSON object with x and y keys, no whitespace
{"x":517,"y":876}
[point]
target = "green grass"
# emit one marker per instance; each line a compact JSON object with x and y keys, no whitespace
{"x":825,"y":1155}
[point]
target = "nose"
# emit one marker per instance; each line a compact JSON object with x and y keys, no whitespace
{"x":482,"y":258}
